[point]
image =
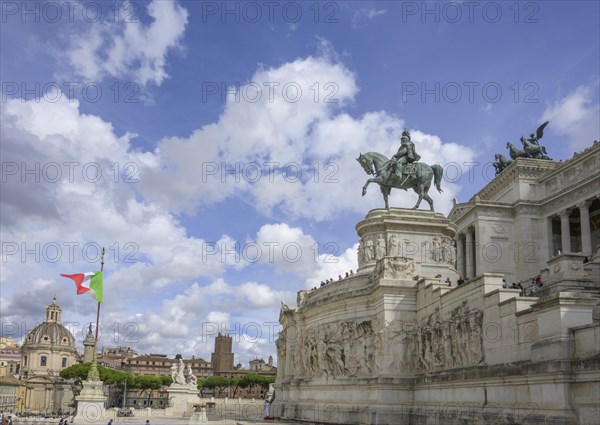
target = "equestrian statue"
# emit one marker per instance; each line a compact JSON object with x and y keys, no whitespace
{"x":402,"y":171}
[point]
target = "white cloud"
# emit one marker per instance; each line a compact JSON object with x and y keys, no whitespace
{"x":311,"y":135}
{"x":575,"y":116}
{"x":362,"y":16}
{"x":128,"y":48}
{"x":139,"y":217}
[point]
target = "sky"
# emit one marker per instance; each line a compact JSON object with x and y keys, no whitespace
{"x":211,"y":147}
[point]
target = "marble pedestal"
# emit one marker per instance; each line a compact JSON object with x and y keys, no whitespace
{"x":90,"y":403}
{"x":181,"y":400}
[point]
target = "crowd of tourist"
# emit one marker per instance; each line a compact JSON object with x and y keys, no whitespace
{"x":331,"y":280}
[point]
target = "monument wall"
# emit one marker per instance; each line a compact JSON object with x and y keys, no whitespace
{"x":395,"y":344}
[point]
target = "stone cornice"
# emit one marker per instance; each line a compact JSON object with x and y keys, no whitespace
{"x":572,"y":194}
{"x":577,"y":158}
{"x":519,"y":169}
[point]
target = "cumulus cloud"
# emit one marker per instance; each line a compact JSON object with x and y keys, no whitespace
{"x":576,"y":116}
{"x":363,"y":15}
{"x":128,"y":201}
{"x":127,"y":48}
{"x":290,"y":149}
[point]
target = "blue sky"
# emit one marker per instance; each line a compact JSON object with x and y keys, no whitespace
{"x":142,"y":98}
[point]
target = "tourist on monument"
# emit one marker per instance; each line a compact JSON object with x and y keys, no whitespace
{"x":339,"y":277}
{"x":110,"y":422}
{"x":504,"y":284}
{"x":147,"y":421}
{"x":460,"y":280}
{"x":351,"y":273}
{"x":267,"y":409}
{"x":347,"y":274}
{"x":448,"y":281}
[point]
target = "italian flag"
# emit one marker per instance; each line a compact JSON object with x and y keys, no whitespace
{"x":91,"y":281}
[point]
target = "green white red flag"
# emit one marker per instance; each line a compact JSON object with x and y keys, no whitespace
{"x":90,"y":281}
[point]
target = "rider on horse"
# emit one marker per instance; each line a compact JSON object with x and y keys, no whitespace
{"x":406,"y":154}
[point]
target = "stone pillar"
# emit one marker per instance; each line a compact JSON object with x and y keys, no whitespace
{"x":565,"y":231}
{"x":586,"y":233}
{"x":470,"y":272}
{"x":460,"y":255}
{"x":550,"y":236}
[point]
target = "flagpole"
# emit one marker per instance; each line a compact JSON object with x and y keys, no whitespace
{"x":93,"y":374}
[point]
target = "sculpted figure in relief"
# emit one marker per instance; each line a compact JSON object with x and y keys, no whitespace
{"x":380,"y":248}
{"x":475,"y":340}
{"x":369,"y":254}
{"x":394,"y":346}
{"x":393,"y":246}
{"x":359,"y":253}
{"x":447,"y":338}
{"x":435,"y":249}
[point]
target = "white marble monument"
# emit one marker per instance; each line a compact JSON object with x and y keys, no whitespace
{"x":395,"y":344}
{"x":183,"y":392}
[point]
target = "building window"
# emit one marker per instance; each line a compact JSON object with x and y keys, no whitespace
{"x":43,"y":360}
{"x":64,"y":362}
{"x":25,"y":361}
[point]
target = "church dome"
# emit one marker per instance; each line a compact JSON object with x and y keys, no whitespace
{"x":51,"y":332}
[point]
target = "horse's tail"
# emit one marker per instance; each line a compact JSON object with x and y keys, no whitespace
{"x":438,"y":172}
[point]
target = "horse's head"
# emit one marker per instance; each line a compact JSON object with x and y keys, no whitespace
{"x":497,"y":157}
{"x":509,"y":145}
{"x":365,"y":163}
{"x":523,"y":141}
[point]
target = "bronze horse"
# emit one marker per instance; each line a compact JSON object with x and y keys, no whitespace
{"x":378,"y":165}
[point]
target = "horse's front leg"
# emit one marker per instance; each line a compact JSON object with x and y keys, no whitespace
{"x":373,"y":180}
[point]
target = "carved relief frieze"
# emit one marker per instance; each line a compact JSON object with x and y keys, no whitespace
{"x":337,"y":349}
{"x":436,"y":343}
{"x":394,"y":268}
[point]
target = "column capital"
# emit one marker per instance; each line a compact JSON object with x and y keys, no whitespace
{"x":565,"y":213}
{"x":584,"y":204}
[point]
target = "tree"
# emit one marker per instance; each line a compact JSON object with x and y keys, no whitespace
{"x":148,"y":383}
{"x":252,"y":379}
{"x":215,"y":383}
{"x":166,"y":381}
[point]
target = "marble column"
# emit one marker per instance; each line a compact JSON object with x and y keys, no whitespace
{"x":586,"y":233}
{"x":460,"y":255}
{"x":565,"y":231}
{"x":470,"y":272}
